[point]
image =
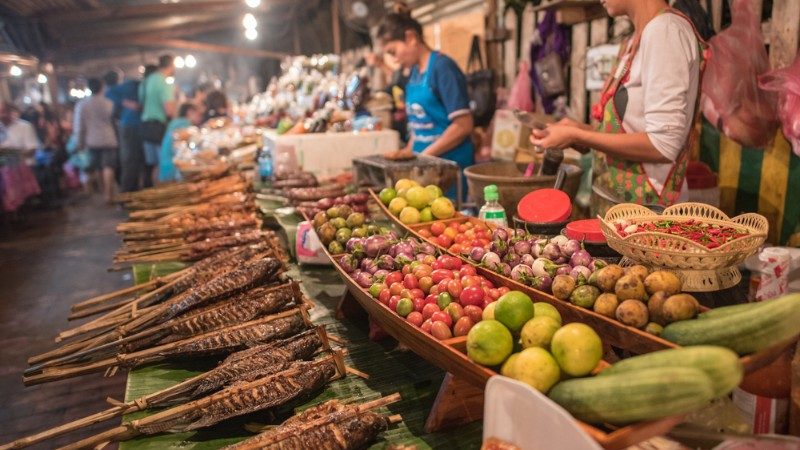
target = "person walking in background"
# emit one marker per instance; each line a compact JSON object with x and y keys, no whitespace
{"x":216,"y":105}
{"x":125,"y":97}
{"x":157,"y":97}
{"x":189,"y":114}
{"x":17,"y":134}
{"x":94,"y":129}
{"x":50,"y":156}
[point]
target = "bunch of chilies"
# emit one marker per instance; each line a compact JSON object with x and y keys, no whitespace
{"x":240,"y":304}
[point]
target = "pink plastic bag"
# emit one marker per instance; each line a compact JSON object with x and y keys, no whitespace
{"x":786,"y":82}
{"x":520,"y":95}
{"x":731,"y":99}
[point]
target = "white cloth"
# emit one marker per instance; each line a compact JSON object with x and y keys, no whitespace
{"x":662,"y":90}
{"x":20,"y":135}
{"x":94,"y":123}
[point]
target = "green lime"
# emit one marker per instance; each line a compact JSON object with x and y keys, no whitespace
{"x":513,"y":310}
{"x":489,"y":343}
{"x":387,"y":195}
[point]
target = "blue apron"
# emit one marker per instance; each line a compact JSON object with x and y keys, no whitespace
{"x":427,"y":120}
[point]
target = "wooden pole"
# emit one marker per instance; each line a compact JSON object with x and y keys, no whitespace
{"x":580,"y":40}
{"x":337,"y":35}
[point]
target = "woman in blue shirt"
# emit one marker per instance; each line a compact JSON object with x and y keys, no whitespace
{"x":437,"y":104}
{"x":189,"y":115}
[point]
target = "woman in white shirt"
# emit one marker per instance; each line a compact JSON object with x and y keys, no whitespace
{"x":647,"y":110}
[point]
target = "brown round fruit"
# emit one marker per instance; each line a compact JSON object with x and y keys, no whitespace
{"x":607,"y":277}
{"x":679,"y":307}
{"x":655,"y":305}
{"x":662,"y":280}
{"x":606,"y":304}
{"x":630,"y":287}
{"x":633,"y":313}
{"x":638,"y":270}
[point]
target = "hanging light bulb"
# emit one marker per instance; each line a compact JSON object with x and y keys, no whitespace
{"x":179,"y":63}
{"x":249,"y":21}
{"x":87,"y":92}
{"x":190,"y":61}
{"x":253,"y":3}
{"x":251,"y":34}
{"x":15,"y":71}
{"x":41,"y":78}
{"x":170,"y":80}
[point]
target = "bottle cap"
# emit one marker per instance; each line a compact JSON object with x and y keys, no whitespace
{"x":490,"y":193}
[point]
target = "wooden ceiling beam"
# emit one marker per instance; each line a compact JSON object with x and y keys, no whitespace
{"x":214,"y":48}
{"x":154,"y":9}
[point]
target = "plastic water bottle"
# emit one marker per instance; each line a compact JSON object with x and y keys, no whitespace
{"x":492,"y":211}
{"x":265,"y":165}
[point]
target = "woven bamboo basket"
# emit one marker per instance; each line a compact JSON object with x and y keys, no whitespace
{"x":701,"y":269}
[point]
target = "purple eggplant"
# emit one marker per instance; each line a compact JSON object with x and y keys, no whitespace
{"x":568,"y":248}
{"x":403,"y":259}
{"x":499,"y":246}
{"x":476,"y":254}
{"x":385,"y":262}
{"x":380,"y":275}
{"x":369,"y":265}
{"x":401,"y":247}
{"x":551,"y":252}
{"x":537,"y":248}
{"x":563,"y":270}
{"x":522,"y":274}
{"x":500,"y":233}
{"x":581,"y":274}
{"x":505,"y":269}
{"x":544,"y":283}
{"x":363,"y":279}
{"x":511,"y":258}
{"x":597,"y":264}
{"x":580,"y":258}
{"x":426,"y":248}
{"x":558,"y":240}
{"x":526,"y":259}
{"x":544,"y":267}
{"x":520,"y":233}
{"x":375,"y":245}
{"x":349,"y":263}
{"x":522,"y":247}
{"x":490,"y":260}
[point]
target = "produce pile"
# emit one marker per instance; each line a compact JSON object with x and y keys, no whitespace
{"x":412,"y":203}
{"x":356,"y":202}
{"x":441,"y":295}
{"x":632,"y":295}
{"x":561,"y":360}
{"x":338,"y":224}
{"x":708,"y":235}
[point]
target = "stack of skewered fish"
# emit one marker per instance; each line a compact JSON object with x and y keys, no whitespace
{"x":185,"y":193}
{"x":216,"y":306}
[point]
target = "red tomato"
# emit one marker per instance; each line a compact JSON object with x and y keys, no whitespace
{"x":470,"y":234}
{"x":470,"y":281}
{"x":410,"y":281}
{"x":467,"y":270}
{"x":454,"y":288}
{"x":393,"y":302}
{"x":473,"y":312}
{"x":484,"y":243}
{"x":384,"y":296}
{"x":439,"y":275}
{"x":426,"y":283}
{"x":406,"y":293}
{"x":494,"y":294}
{"x":486,"y":284}
{"x":422,"y":270}
{"x":428,"y":260}
{"x":444,"y":241}
{"x":396,"y":288}
{"x":393,"y":277}
{"x":462,"y":228}
{"x":455,"y":248}
{"x":429,"y":309}
{"x":471,"y":296}
{"x":442,"y":316}
{"x":476,"y":243}
{"x":419,"y":303}
{"x":434,"y":290}
{"x":455,"y":311}
{"x":426,"y":326}
{"x":470,"y":224}
{"x":426,"y":233}
{"x":417,"y":293}
{"x":503,"y":290}
{"x":432,"y":298}
{"x":406,"y":269}
{"x":450,"y":232}
{"x":415,"y":318}
{"x":436,"y":265}
{"x":486,"y":302}
{"x":451,"y":262}
{"x":437,"y":228}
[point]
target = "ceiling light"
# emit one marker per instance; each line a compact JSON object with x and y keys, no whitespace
{"x":141,"y":68}
{"x":170,"y":80}
{"x":190,"y":61}
{"x":249,"y":21}
{"x":15,"y":71}
{"x":253,"y":3}
{"x":41,"y":78}
{"x":179,"y":63}
{"x":251,"y":34}
{"x":87,"y":92}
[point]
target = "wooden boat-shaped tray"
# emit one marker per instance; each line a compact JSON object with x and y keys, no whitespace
{"x":449,"y":355}
{"x":611,"y":331}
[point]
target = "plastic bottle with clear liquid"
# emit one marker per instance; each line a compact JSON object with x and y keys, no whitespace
{"x":491,"y":211}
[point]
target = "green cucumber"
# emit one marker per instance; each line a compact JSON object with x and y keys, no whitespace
{"x":728,"y":310}
{"x":722,"y":365}
{"x":635,"y":396}
{"x":744,"y":332}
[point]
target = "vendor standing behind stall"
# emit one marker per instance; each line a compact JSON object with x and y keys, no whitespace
{"x":647,"y":109}
{"x":437,"y":104}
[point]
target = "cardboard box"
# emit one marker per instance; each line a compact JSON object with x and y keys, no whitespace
{"x":510,"y":134}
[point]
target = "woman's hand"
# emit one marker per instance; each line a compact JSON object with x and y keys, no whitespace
{"x":566,"y":121}
{"x":556,"y":135}
{"x":403,"y":153}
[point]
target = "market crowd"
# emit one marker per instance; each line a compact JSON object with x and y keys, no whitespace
{"x":117,"y":139}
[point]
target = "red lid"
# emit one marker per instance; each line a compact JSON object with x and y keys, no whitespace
{"x":545,"y":206}
{"x":585,"y":230}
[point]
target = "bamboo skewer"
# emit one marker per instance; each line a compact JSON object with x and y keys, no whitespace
{"x":131,"y":429}
{"x":138,"y":404}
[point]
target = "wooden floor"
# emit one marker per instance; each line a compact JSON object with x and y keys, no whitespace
{"x":49,"y":260}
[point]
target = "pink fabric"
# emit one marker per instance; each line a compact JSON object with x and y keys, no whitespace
{"x":731,"y":99}
{"x":17,"y":184}
{"x":520,"y":96}
{"x":786,"y":82}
